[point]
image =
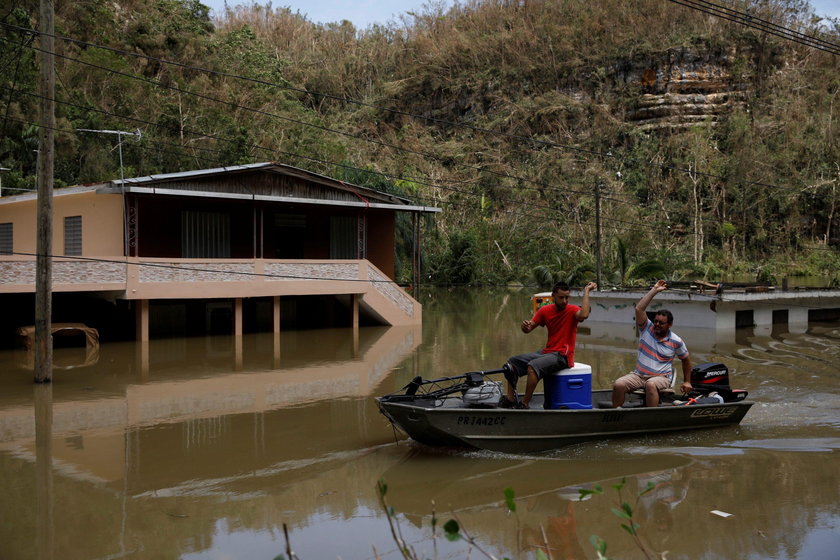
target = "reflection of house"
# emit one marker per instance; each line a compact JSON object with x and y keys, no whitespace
{"x":126,"y":454}
{"x":250,"y":233}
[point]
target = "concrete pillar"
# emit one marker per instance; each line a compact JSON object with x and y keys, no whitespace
{"x":354,"y":302}
{"x":763,"y":319}
{"x":798,"y":320}
{"x":237,"y":317}
{"x":237,"y":334}
{"x":142,"y":361}
{"x":142,"y":319}
{"x":276,"y":331}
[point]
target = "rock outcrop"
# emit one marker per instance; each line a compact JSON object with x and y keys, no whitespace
{"x":680,"y":88}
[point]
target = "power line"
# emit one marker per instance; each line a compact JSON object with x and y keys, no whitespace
{"x":480,"y":169}
{"x":760,"y":24}
{"x":529,"y":140}
{"x":631,"y":226}
{"x":185,"y":268}
{"x":343,"y":99}
{"x":317,"y":160}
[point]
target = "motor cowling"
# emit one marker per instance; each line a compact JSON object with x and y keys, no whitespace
{"x":708,"y":377}
{"x":713,"y":377}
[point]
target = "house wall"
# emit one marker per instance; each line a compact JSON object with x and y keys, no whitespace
{"x":102,"y":229}
{"x":381,"y":240}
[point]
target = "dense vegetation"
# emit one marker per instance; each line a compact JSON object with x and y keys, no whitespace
{"x":507,"y":115}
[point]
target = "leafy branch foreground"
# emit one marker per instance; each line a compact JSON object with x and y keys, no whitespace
{"x":454,"y":531}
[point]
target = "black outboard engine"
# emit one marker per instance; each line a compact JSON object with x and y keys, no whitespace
{"x":710,"y":378}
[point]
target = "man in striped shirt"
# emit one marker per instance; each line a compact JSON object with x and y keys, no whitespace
{"x":658,"y":347}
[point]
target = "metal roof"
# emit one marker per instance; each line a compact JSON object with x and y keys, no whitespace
{"x":149,"y":185}
{"x":144,"y":185}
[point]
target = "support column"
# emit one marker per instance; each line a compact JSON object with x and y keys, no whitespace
{"x":798,"y":320}
{"x":142,"y":319}
{"x":237,"y":317}
{"x":237,"y":334}
{"x":354,"y":303}
{"x":142,"y":361}
{"x":276,"y":331}
{"x":763,"y":320}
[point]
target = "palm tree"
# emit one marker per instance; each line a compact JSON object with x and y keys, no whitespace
{"x":547,"y":275}
{"x":627,"y":270}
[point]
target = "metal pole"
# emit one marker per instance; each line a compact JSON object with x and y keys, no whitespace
{"x":120,"y":133}
{"x":598,"y":232}
{"x":46,"y":146}
{"x":1,"y":178}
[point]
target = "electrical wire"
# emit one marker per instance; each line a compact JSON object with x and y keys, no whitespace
{"x":528,"y":140}
{"x":612,"y":221}
{"x":742,"y":18}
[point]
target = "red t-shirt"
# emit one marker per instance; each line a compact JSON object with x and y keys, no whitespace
{"x":562,"y":329}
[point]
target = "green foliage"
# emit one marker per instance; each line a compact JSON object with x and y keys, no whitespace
{"x":452,"y":530}
{"x":509,"y":499}
{"x":625,"y":512}
{"x":556,"y":83}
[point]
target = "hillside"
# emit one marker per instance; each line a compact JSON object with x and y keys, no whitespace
{"x":713,"y":146}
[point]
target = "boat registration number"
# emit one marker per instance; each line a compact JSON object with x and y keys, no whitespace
{"x":481,"y":420}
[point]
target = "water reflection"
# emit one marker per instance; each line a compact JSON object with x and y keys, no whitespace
{"x":205,"y":448}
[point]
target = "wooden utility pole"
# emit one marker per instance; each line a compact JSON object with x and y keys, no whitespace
{"x":46,"y":153}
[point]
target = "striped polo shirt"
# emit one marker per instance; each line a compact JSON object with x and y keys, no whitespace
{"x":656,"y":356}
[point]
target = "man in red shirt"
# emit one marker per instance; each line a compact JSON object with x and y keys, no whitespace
{"x":561,"y":320}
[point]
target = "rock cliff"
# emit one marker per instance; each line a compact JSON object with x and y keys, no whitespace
{"x":681,"y":87}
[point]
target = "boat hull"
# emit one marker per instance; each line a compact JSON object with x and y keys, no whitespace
{"x":447,"y":422}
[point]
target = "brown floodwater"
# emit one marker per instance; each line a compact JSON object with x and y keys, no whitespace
{"x":209,"y":448}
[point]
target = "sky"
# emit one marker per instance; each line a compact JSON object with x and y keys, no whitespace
{"x":366,"y":12}
{"x":361,"y":12}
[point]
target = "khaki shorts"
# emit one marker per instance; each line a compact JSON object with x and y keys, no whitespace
{"x":633,"y":381}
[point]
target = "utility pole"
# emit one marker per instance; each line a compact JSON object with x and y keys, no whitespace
{"x":46,"y":146}
{"x":598,"y":232}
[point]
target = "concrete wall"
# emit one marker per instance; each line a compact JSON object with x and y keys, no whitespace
{"x":102,"y":223}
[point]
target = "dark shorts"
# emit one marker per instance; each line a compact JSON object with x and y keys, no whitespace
{"x":543,"y":364}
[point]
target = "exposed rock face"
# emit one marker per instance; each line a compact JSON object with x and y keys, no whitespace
{"x":680,"y":88}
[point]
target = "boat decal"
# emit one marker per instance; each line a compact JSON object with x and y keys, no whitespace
{"x":612,"y":417}
{"x":475,"y":420}
{"x":716,"y":412}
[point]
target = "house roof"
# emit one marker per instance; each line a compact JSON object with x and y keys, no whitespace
{"x":284,"y":183}
{"x":295,"y":186}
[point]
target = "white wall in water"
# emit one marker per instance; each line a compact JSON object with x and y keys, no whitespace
{"x":709,"y":311}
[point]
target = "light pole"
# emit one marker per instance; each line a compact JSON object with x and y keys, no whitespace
{"x":120,"y":133}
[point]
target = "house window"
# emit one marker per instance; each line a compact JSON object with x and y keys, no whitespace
{"x":205,"y":235}
{"x":73,"y":236}
{"x":7,"y":242}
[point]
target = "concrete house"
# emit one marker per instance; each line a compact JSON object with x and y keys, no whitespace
{"x":226,"y":250}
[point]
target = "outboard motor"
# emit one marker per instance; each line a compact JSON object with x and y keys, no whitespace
{"x":711,"y":381}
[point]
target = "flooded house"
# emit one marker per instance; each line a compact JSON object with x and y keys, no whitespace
{"x":248,"y":248}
